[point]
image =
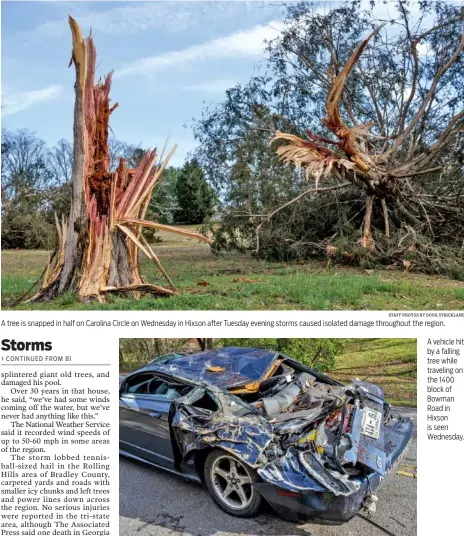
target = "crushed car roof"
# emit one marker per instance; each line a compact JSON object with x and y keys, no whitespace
{"x":222,"y":367}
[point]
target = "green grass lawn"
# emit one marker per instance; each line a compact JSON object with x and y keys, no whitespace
{"x":236,"y":281}
{"x":391,"y":363}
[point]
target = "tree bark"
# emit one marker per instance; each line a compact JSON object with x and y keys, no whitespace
{"x":386,"y":218}
{"x":78,"y":218}
{"x":120,"y":273}
{"x":367,"y":241}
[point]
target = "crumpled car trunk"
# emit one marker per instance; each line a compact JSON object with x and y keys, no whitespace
{"x":330,"y":451}
{"x":302,"y":434}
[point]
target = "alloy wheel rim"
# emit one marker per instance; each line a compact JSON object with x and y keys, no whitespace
{"x":231,"y":482}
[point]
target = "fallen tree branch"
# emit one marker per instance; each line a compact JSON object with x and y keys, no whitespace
{"x":414,"y":173}
{"x":145,"y":287}
{"x":170,"y":228}
{"x":294,"y":200}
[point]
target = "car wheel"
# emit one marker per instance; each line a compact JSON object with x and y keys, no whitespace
{"x":230,"y":483}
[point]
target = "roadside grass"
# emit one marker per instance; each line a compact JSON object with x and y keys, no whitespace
{"x":236,"y":281}
{"x":390,"y":363}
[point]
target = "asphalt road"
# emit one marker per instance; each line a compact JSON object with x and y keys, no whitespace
{"x":156,"y":503}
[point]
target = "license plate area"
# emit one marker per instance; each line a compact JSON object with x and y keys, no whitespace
{"x":372,"y":419}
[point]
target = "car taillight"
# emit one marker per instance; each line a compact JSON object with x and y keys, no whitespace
{"x":286,"y":493}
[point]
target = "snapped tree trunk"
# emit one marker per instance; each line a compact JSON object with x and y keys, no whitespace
{"x":98,"y":246}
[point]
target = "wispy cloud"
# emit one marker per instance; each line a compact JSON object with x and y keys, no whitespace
{"x":139,"y":17}
{"x":249,"y":42}
{"x":18,"y":102}
{"x":214,"y":86}
{"x":119,"y":20}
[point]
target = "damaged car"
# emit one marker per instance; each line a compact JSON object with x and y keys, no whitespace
{"x":254,"y":425}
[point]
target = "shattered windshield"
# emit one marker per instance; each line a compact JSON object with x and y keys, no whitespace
{"x":223,"y":367}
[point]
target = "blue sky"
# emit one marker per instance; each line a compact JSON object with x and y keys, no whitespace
{"x":169,"y":58}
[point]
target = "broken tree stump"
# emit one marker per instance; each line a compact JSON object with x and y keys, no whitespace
{"x":98,"y":245}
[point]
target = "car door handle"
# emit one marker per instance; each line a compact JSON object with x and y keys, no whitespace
{"x":155,"y":414}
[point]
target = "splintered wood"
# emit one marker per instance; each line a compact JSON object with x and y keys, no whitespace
{"x":98,"y":245}
{"x":347,"y":160}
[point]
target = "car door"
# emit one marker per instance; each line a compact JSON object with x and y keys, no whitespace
{"x":144,"y":427}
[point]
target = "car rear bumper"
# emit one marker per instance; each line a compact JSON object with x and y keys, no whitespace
{"x":327,"y":507}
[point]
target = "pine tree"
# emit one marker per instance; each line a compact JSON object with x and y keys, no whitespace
{"x":195,"y":197}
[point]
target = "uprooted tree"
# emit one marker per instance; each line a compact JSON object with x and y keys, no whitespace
{"x":378,"y":164}
{"x":98,"y":245}
{"x":380,"y":124}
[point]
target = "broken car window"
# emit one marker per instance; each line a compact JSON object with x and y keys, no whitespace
{"x":151,"y":385}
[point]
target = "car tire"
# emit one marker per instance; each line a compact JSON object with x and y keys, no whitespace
{"x":230,"y":483}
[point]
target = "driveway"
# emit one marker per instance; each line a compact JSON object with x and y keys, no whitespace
{"x":156,"y":503}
